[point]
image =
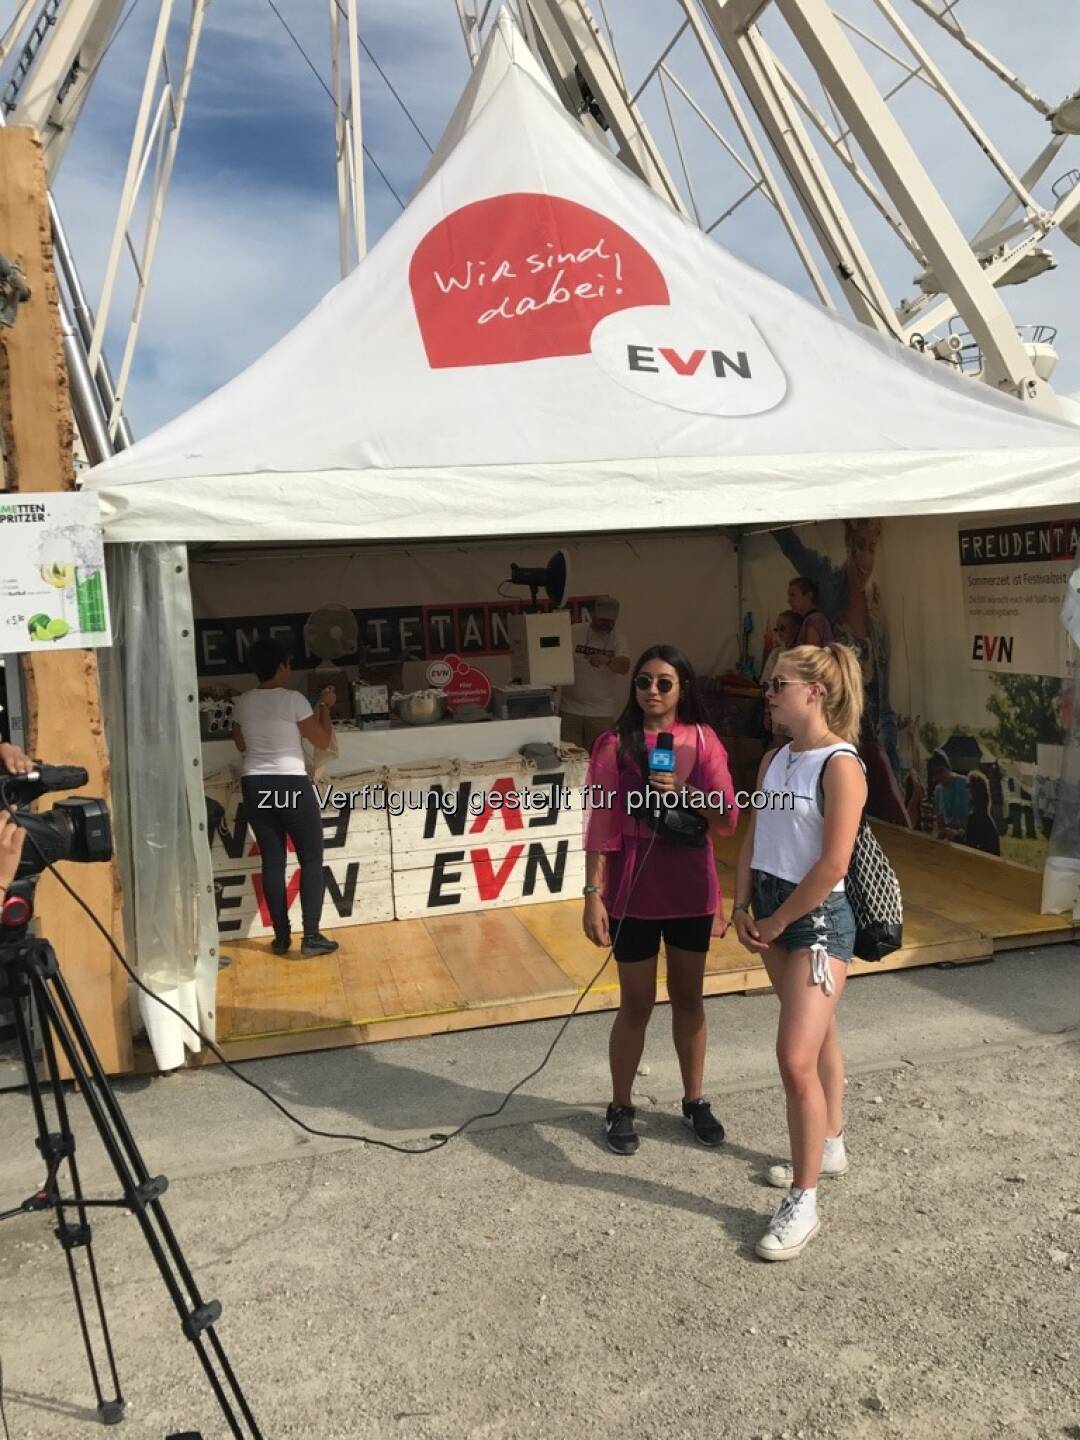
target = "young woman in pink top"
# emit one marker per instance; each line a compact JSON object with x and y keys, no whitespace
{"x":642,"y":887}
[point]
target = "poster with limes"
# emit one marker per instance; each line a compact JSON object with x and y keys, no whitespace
{"x":52,"y":573}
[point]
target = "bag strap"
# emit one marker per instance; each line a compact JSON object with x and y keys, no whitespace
{"x":821,"y":773}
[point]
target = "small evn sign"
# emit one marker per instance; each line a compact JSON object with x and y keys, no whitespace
{"x":522,"y":868}
{"x":648,"y":360}
{"x":708,"y":358}
{"x":992,"y":648}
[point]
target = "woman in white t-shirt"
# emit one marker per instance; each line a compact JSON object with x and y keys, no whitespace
{"x":600,"y":658}
{"x":279,"y":799}
{"x":791,"y":908}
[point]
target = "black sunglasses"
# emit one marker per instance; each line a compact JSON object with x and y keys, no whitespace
{"x":663,"y":683}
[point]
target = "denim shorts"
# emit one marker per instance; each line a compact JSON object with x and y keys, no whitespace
{"x":831,"y":924}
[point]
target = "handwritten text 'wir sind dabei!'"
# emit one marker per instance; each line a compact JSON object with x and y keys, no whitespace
{"x":553,"y":267}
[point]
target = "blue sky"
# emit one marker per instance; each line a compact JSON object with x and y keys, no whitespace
{"x":250,"y":237}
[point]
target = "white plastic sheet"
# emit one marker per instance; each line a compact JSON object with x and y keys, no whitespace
{"x":158,"y":807}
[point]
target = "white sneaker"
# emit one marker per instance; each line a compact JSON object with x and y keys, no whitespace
{"x":834,"y":1163}
{"x":791,"y":1229}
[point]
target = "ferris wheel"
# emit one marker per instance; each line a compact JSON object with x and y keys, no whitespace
{"x":800,"y":104}
{"x":808,"y":135}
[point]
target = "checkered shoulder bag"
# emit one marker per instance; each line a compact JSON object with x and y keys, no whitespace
{"x":873,"y":890}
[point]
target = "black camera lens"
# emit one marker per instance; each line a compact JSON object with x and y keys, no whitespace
{"x":77,"y":829}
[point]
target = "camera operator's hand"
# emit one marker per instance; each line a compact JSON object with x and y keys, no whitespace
{"x":14,"y":760}
{"x":11,"y":844}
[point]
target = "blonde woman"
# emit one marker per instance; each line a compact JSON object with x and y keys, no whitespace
{"x":791,"y":872}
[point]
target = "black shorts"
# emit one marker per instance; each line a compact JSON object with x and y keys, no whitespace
{"x":640,"y":939}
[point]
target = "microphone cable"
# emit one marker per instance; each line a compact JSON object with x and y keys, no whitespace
{"x":438,"y":1138}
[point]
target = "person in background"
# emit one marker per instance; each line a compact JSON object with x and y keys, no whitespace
{"x":952,"y":799}
{"x":600,"y":660}
{"x":279,"y":799}
{"x":850,"y":597}
{"x":643,"y":888}
{"x":981,"y":832}
{"x":786,"y":631}
{"x":791,"y":908}
{"x":814,"y":625}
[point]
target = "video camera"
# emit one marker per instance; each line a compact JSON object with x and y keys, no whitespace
{"x":74,"y":829}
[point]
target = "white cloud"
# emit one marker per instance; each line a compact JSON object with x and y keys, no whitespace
{"x":249,"y":243}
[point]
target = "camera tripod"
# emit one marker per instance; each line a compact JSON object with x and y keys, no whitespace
{"x":30,"y":972}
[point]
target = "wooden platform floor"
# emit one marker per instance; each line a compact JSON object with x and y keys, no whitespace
{"x":425,"y":977}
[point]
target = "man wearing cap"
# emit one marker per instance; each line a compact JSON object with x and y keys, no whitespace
{"x":600,"y":658}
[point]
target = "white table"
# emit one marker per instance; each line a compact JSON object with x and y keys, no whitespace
{"x":408,"y":744}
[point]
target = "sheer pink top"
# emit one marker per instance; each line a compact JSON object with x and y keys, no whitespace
{"x":669,"y":880}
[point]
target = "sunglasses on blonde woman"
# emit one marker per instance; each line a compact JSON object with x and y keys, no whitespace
{"x":776,"y":684}
{"x":663,"y":683}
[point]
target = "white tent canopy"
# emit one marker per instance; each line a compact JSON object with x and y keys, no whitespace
{"x":541,"y":344}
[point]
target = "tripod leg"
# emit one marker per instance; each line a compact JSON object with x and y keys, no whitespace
{"x":141,"y":1191}
{"x":57,"y":1147}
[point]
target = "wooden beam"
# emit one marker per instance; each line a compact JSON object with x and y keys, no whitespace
{"x":63,"y":699}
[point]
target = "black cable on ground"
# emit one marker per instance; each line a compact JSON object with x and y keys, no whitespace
{"x":437,"y":1137}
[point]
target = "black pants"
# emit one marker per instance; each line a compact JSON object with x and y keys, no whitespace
{"x":280,"y":807}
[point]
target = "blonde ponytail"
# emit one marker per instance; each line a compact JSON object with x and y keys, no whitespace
{"x":837,"y":670}
{"x":844,"y":712}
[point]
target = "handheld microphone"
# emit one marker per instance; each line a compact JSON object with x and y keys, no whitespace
{"x":662,"y":756}
{"x":58,"y":777}
{"x":21,"y":789}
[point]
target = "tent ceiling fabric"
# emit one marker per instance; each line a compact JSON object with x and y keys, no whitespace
{"x":539,"y":342}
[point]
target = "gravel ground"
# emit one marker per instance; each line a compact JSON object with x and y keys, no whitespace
{"x":525,"y":1282}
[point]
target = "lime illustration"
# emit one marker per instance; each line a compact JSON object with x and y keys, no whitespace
{"x":57,"y":629}
{"x":37,"y":622}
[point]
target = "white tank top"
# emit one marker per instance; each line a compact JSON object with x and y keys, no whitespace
{"x":788,"y":835}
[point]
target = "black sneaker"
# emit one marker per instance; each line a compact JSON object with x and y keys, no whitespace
{"x":317,"y":945}
{"x":707,"y":1129}
{"x":281,"y":943}
{"x":619,"y":1133}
